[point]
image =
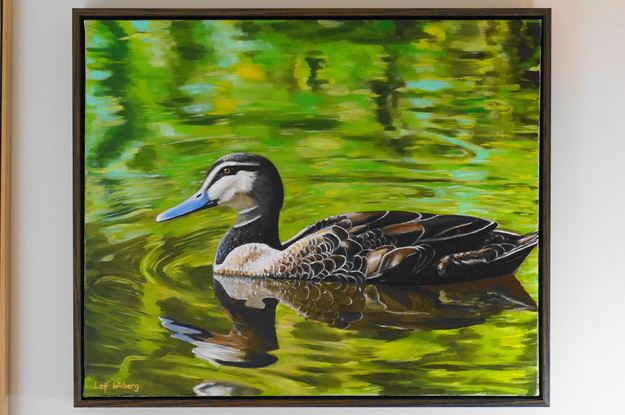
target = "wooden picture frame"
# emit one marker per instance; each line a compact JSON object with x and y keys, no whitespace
{"x":5,"y":27}
{"x":144,"y":290}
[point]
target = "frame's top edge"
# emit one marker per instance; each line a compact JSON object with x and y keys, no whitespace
{"x":473,"y":13}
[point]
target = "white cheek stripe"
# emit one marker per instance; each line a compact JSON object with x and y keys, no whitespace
{"x":247,"y":222}
{"x":212,"y":175}
{"x":248,"y":210}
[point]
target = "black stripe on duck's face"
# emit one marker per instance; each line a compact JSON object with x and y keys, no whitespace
{"x":227,"y":168}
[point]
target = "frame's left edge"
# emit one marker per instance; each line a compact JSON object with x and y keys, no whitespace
{"x":78,"y":219}
{"x":5,"y":38}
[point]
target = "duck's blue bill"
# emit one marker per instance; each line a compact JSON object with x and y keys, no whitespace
{"x":196,"y":202}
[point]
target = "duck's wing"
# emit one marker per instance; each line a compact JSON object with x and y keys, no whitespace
{"x":364,"y":246}
{"x":411,"y":228}
{"x":406,"y":247}
{"x":341,"y":220}
{"x":401,"y":229}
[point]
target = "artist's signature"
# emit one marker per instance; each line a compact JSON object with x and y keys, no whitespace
{"x":116,"y":386}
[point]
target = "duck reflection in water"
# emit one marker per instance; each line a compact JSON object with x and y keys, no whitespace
{"x":247,"y":344}
{"x":381,"y":311}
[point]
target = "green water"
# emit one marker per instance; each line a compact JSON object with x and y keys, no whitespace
{"x":356,"y":115}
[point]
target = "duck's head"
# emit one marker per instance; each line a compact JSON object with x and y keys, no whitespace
{"x":245,"y":182}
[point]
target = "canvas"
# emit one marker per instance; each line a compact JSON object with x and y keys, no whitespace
{"x":187,"y":292}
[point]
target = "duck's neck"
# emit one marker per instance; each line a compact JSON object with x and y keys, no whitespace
{"x":253,"y":225}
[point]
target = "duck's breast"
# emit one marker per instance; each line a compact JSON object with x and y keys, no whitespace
{"x":249,"y":260}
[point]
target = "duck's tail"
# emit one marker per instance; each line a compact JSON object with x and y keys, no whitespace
{"x":513,"y":259}
{"x":502,"y":254}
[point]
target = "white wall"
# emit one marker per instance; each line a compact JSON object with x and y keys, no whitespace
{"x":588,"y":146}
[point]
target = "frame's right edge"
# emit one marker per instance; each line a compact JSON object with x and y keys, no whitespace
{"x":545,"y":210}
{"x":4,"y":205}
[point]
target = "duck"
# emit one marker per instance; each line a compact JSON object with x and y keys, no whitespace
{"x":368,"y":247}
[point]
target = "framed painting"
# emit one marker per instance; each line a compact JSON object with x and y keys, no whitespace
{"x":311,"y":207}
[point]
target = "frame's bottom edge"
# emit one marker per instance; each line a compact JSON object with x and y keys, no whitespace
{"x":351,"y":401}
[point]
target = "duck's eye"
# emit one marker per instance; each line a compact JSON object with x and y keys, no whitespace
{"x":227,"y":170}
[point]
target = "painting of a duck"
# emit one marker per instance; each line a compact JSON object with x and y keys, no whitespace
{"x":391,"y":247}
